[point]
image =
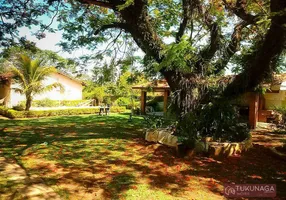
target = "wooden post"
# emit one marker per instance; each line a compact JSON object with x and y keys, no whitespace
{"x":143,"y":102}
{"x":5,"y":92}
{"x":261,"y":102}
{"x":166,"y":94}
{"x":253,"y":110}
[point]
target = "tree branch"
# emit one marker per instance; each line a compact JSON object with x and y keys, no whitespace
{"x":240,"y":10}
{"x":141,"y":29}
{"x":186,"y":18}
{"x":105,"y":4}
{"x":109,"y":26}
{"x":232,"y":47}
{"x":208,"y":53}
{"x":215,"y":33}
{"x":262,"y":63}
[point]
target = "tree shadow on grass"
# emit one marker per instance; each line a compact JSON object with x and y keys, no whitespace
{"x":107,"y":154}
{"x":256,"y":166}
{"x":120,"y":182}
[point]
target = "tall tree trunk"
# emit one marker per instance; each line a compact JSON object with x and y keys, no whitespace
{"x":29,"y":100}
{"x":186,"y":93}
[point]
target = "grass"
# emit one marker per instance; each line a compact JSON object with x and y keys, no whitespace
{"x":106,"y":157}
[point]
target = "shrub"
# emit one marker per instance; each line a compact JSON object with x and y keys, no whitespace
{"x":107,"y":100}
{"x":124,"y":101}
{"x":45,"y":113}
{"x":56,"y":103}
{"x":73,"y":103}
{"x":155,"y":122}
{"x":19,"y":107}
{"x":219,"y":120}
{"x":280,"y":118}
{"x":45,"y":103}
{"x":157,"y":103}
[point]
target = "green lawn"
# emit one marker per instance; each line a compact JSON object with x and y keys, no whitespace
{"x":106,"y":157}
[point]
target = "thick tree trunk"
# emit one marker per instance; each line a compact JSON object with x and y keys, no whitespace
{"x":186,"y":95}
{"x":28,"y":102}
{"x":263,"y":61}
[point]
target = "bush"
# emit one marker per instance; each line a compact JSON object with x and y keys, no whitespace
{"x":45,"y":103}
{"x":157,"y":103}
{"x":280,"y":118}
{"x":154,"y":122}
{"x":56,"y":103}
{"x":107,"y":100}
{"x":46,"y":113}
{"x":220,"y":121}
{"x":73,"y":103}
{"x":124,"y":101}
{"x":19,"y":107}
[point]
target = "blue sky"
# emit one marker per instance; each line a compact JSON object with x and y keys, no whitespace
{"x":52,"y":39}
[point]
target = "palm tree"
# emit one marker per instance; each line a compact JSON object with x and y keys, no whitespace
{"x":30,"y":75}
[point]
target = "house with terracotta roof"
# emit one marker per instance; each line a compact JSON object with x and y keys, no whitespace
{"x":72,"y":89}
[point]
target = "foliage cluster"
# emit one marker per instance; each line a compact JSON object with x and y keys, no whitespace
{"x":115,"y":91}
{"x":155,"y":122}
{"x":217,"y":120}
{"x":124,"y":101}
{"x":281,"y":123}
{"x":157,"y":103}
{"x":12,"y":114}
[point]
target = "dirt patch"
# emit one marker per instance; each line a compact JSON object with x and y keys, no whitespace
{"x":26,"y":187}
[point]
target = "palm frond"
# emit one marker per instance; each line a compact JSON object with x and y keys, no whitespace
{"x":20,"y":75}
{"x":50,"y":87}
{"x":18,"y":90}
{"x":43,"y":72}
{"x":36,"y":66}
{"x":24,"y":65}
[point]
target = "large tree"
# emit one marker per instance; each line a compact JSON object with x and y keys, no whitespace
{"x":206,"y":35}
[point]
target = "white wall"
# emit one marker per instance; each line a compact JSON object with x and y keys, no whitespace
{"x":273,"y":100}
{"x":73,"y":90}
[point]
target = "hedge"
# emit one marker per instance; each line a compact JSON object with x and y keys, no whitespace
{"x":12,"y":114}
{"x":56,"y":103}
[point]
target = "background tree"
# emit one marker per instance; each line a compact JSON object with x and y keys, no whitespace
{"x":30,"y":75}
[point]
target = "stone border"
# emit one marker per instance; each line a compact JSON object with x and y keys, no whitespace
{"x":207,"y":146}
{"x":226,"y":149}
{"x":162,"y":136}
